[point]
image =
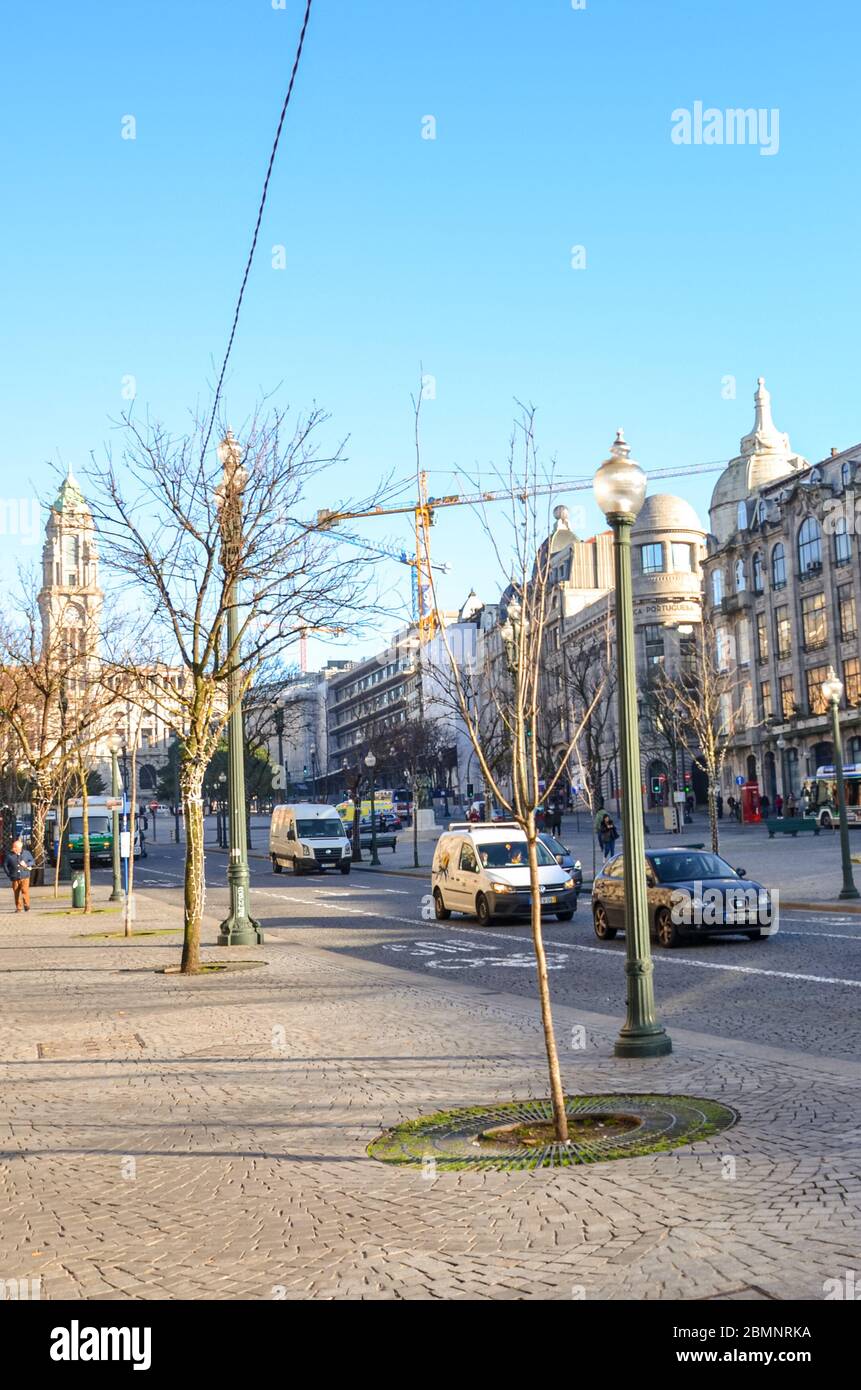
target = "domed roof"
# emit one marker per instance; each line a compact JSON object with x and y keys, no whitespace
{"x":765,"y":456}
{"x":664,"y":512}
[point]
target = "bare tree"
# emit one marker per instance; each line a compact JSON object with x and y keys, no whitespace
{"x":194,"y":536}
{"x":513,"y":686}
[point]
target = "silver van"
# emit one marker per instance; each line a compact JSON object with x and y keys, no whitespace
{"x":483,"y":870}
{"x":310,"y":837}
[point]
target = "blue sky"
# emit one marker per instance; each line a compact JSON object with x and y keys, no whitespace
{"x":123,"y":258}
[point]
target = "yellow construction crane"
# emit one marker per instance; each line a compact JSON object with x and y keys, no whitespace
{"x":422,"y":512}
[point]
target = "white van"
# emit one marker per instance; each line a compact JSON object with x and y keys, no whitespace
{"x":310,"y":837}
{"x":483,"y":870}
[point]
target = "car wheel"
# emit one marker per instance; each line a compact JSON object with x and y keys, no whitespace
{"x":276,"y":865}
{"x":667,"y":932}
{"x":441,"y":911}
{"x":603,"y":930}
{"x":565,"y":916}
{"x":482,"y":910}
{"x":297,"y":868}
{"x":345,"y":868}
{"x":826,"y":821}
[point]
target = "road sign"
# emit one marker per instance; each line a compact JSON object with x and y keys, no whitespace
{"x":739,"y":781}
{"x":125,"y":843}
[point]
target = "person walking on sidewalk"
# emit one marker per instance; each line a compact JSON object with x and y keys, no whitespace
{"x":607,"y":837}
{"x":18,"y":864}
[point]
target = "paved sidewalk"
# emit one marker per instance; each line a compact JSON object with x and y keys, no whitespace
{"x":171,"y":1138}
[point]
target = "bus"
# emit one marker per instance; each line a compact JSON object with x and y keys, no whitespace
{"x":823,"y":803}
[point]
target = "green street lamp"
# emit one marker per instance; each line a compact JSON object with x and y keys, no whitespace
{"x":114,"y":744}
{"x":239,"y":928}
{"x":222,"y":838}
{"x":370,"y":764}
{"x":832,"y":689}
{"x":620,"y":490}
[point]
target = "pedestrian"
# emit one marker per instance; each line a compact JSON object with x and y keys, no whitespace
{"x":778,"y":805}
{"x":764,"y":806}
{"x":18,"y":864}
{"x":791,"y":805}
{"x":719,"y":805}
{"x":607,"y":837}
{"x":556,"y":819}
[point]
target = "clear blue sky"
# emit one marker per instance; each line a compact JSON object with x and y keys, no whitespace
{"x":123,"y":257}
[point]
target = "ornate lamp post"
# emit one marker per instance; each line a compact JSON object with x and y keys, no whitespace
{"x":370,"y":764}
{"x":222,"y":828}
{"x":313,"y":752}
{"x":115,"y":744}
{"x":620,"y":490}
{"x":832,"y":689}
{"x":239,"y":928}
{"x":781,"y":748}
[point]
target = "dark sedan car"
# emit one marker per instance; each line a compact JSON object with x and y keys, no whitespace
{"x":564,"y":858}
{"x":690,"y":893}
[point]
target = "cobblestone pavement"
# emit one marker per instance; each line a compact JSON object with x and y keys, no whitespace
{"x":171,"y":1138}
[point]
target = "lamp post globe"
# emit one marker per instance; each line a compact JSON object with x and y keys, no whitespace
{"x":832,"y":690}
{"x":620,"y":490}
{"x":370,"y":764}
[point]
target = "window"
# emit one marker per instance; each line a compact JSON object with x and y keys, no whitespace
{"x":778,"y":566}
{"x":681,"y":558}
{"x":842,"y":544}
{"x":717,"y":586}
{"x":846,"y":473}
{"x":741,"y":516}
{"x":846,"y":612}
{"x":758,"y":576}
{"x":816,"y":701}
{"x":783,"y":630}
{"x":651,"y":559}
{"x":765,"y":700}
{"x":688,"y":655}
{"x":787,"y":697}
{"x":809,"y":545}
{"x":762,"y":636}
{"x":813,"y":623}
{"x":653,"y":635}
{"x":743,"y":633}
{"x":723,"y":648}
{"x":740,"y":580}
{"x":852,"y":680}
{"x":468,"y":860}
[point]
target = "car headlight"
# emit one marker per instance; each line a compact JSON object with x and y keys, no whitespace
{"x":569,"y":883}
{"x":502,"y":888}
{"x":577,"y":864}
{"x":306,"y":849}
{"x":345,"y":851}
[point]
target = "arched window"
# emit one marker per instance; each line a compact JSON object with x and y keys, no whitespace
{"x":758,"y":576}
{"x":846,"y":473}
{"x":740,"y":579}
{"x":809,"y":545}
{"x":717,"y":586}
{"x":778,"y":566}
{"x":842,"y":544}
{"x":741,"y":516}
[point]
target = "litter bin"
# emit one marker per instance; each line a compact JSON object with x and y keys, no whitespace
{"x":79,"y":891}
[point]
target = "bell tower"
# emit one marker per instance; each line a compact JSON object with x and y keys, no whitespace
{"x":70,"y":600}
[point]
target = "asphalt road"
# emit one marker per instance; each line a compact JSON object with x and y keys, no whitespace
{"x":800,"y":989}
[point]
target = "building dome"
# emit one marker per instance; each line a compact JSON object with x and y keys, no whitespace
{"x":663,"y":512}
{"x":765,"y":455}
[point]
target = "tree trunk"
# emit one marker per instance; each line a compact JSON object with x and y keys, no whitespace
{"x":191,"y":783}
{"x":557,"y":1094}
{"x":39,"y":810}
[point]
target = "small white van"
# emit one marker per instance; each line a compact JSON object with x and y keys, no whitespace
{"x":483,"y":870}
{"x":310,"y":837}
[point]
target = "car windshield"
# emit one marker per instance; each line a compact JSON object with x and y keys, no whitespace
{"x":511,"y":854}
{"x":679,"y":868}
{"x":555,"y":846}
{"x":319,"y":830}
{"x":97,"y":825}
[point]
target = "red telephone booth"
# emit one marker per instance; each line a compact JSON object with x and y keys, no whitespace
{"x":750,"y":812}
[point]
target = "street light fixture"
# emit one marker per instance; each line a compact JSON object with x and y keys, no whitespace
{"x":620,"y":490}
{"x":115,"y":743}
{"x":832,"y":689}
{"x":370,"y":764}
{"x":239,"y":928}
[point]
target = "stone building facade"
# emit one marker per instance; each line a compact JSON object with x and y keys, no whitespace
{"x":782,"y":583}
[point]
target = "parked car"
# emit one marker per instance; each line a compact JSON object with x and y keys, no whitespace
{"x":689,"y":892}
{"x":483,"y":871}
{"x":563,"y":857}
{"x":385,"y":820}
{"x":309,"y":837}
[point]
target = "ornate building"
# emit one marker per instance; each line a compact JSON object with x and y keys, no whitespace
{"x":783,"y":586}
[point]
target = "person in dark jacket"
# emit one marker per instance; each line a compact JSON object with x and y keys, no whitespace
{"x":18,"y":865}
{"x":607,"y":836}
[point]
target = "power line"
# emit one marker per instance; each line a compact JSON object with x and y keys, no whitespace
{"x":257,"y":227}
